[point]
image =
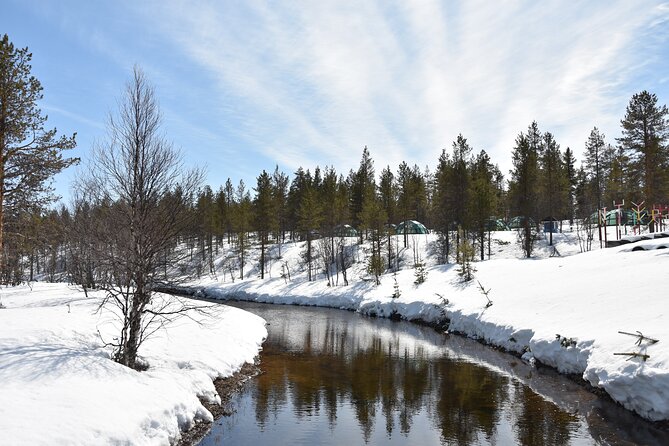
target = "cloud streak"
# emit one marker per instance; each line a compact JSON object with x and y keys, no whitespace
{"x":313,"y":82}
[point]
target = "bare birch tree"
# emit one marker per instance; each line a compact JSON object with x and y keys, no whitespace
{"x":139,"y":185}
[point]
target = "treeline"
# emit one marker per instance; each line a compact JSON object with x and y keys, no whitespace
{"x":460,"y":199}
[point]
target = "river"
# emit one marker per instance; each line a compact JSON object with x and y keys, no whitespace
{"x":332,"y":377}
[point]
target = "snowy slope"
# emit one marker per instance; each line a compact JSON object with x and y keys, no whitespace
{"x":541,"y":306}
{"x":58,"y":385}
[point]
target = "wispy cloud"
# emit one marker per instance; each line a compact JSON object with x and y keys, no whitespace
{"x":313,"y":82}
{"x":74,"y":116}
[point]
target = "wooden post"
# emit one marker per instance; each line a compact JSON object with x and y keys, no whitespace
{"x":605,"y":225}
{"x":638,"y":211}
{"x":619,"y":211}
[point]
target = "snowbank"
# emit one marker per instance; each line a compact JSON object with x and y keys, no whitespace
{"x":562,"y":311}
{"x":58,"y":385}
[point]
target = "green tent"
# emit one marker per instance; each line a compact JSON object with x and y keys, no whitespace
{"x":627,"y":217}
{"x":345,"y":231}
{"x":496,"y":224}
{"x":411,"y":227}
{"x":519,"y":222}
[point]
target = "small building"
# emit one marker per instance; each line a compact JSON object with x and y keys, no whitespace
{"x":550,"y":224}
{"x":411,"y":227}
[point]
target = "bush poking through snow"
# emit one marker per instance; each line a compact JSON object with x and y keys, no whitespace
{"x":485,"y":293}
{"x":466,"y":253}
{"x":396,"y":287}
{"x":375,"y":267}
{"x":565,"y":342}
{"x":420,"y":273}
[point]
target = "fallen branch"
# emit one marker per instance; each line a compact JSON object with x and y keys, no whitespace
{"x":634,"y":355}
{"x":641,"y":337}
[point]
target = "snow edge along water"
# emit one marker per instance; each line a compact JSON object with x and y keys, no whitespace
{"x":637,"y":387}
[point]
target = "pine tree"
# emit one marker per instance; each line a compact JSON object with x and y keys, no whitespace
{"x":388,"y":193}
{"x":483,"y":197}
{"x":524,"y":186}
{"x":242,"y":219}
{"x":331,"y":211}
{"x":594,"y":166}
{"x":616,"y":186}
{"x":440,"y":205}
{"x":645,"y":131}
{"x":221,"y":212}
{"x":460,"y":182}
{"x":266,"y":221}
{"x":229,"y":206}
{"x":460,"y":187}
{"x":30,"y":155}
{"x":363,"y":187}
{"x":568,"y":161}
{"x":553,"y":181}
{"x":207,"y":219}
{"x":465,"y":256}
{"x":310,"y":218}
{"x":301,"y":182}
{"x":373,"y":218}
{"x":280,"y":194}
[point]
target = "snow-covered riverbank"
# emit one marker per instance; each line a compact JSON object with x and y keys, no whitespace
{"x":58,"y":385}
{"x":565,"y":312}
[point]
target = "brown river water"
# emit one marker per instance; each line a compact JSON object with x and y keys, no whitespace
{"x":331,"y":377}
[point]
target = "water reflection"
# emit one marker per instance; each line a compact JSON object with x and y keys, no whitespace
{"x":335,"y":378}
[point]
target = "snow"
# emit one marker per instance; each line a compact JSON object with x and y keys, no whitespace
{"x":58,"y":385}
{"x":563,"y":311}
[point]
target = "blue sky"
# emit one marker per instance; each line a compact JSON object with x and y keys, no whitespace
{"x":245,"y":85}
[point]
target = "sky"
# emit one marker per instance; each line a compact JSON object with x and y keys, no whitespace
{"x":248,"y":85}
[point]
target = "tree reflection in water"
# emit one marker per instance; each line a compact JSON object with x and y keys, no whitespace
{"x":465,"y":401}
{"x":332,"y":377}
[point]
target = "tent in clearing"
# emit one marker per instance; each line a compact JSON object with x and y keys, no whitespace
{"x":519,"y":222}
{"x":345,"y":231}
{"x":496,"y":224}
{"x":411,"y":227}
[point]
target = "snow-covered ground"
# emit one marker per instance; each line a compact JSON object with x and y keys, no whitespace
{"x":58,"y":385}
{"x":564,"y":311}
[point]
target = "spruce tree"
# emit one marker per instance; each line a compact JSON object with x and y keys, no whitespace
{"x":30,"y":155}
{"x":645,"y":131}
